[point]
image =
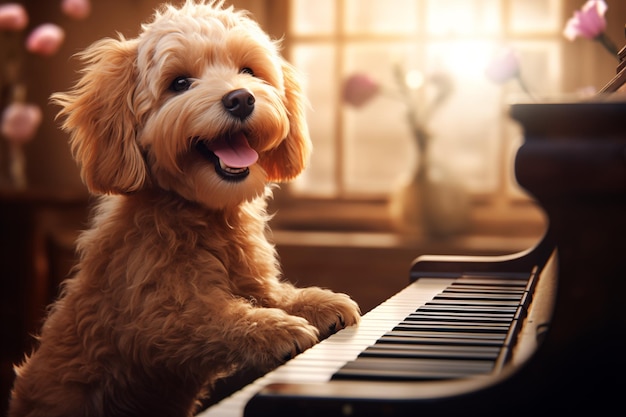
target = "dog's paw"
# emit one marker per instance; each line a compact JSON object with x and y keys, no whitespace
{"x":278,"y":337}
{"x":326,"y":310}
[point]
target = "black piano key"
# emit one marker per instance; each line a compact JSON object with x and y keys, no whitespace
{"x":461,"y":296}
{"x":401,"y":375}
{"x":467,"y":308}
{"x":483,"y":289}
{"x":501,"y":282}
{"x":451,"y":327}
{"x":411,"y":369}
{"x":402,"y":350}
{"x":454,"y":321}
{"x":420,"y":315}
{"x":471,"y":302}
{"x":486,"y":287}
{"x":458,"y":339}
{"x":441,"y":334}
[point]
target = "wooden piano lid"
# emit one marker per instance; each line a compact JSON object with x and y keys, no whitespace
{"x":573,"y":161}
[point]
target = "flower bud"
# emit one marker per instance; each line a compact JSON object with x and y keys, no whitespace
{"x":504,"y":66}
{"x":13,"y":17}
{"x":20,"y":122}
{"x":76,"y":9}
{"x":588,"y":22}
{"x":45,"y":40}
{"x":359,"y":89}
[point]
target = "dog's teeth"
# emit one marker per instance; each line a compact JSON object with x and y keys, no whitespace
{"x":231,"y":170}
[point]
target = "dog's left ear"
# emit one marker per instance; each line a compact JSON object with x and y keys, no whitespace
{"x":291,"y":156}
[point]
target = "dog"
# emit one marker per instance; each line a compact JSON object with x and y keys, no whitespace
{"x":181,"y":132}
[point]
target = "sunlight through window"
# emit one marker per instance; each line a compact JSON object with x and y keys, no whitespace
{"x":363,"y":152}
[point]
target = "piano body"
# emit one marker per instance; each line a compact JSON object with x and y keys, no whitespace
{"x":564,"y":345}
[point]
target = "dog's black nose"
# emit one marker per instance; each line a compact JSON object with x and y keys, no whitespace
{"x":239,"y":103}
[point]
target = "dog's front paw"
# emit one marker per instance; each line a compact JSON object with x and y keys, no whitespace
{"x":278,"y":337}
{"x":326,"y":310}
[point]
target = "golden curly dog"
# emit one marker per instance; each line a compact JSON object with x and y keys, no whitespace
{"x":182,"y":129}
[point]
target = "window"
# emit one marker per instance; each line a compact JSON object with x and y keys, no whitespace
{"x":361,"y":153}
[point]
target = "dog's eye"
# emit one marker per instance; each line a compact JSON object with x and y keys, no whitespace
{"x":180,"y":84}
{"x":246,"y":70}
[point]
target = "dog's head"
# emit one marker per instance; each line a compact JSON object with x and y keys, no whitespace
{"x":200,"y":103}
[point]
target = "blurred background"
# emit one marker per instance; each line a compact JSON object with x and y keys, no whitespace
{"x":343,"y":224}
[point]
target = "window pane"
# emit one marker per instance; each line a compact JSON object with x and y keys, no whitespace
{"x":317,"y":62}
{"x":532,"y":16}
{"x":313,"y":17}
{"x":466,"y":129}
{"x":379,"y":149}
{"x":463,"y":17}
{"x":381,"y":16}
{"x":541,"y":66}
{"x":367,"y":150}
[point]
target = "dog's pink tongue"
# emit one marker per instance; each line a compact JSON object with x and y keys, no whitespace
{"x":234,"y":150}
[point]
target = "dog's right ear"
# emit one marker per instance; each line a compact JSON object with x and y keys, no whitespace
{"x":99,"y":117}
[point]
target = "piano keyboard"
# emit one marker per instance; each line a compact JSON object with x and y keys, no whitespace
{"x":435,"y":328}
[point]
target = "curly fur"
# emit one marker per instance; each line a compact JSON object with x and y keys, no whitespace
{"x":176,"y":283}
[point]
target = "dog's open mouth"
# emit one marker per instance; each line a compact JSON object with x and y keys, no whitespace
{"x":231,"y":155}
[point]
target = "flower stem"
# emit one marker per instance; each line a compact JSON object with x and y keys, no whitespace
{"x":608,"y":44}
{"x":524,"y":86}
{"x":411,"y":112}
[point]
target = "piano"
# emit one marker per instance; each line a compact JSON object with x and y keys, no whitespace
{"x":539,"y":331}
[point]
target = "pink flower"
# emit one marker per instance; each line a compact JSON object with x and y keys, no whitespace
{"x":13,"y":17}
{"x":20,"y":122}
{"x":359,"y":89}
{"x":588,"y":22}
{"x":45,"y":40}
{"x":76,"y":9}
{"x":504,"y":66}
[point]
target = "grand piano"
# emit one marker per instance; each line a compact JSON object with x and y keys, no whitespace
{"x":535,"y":332}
